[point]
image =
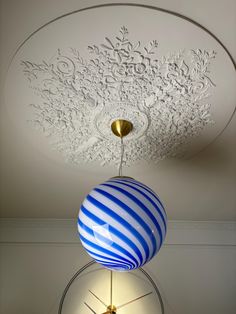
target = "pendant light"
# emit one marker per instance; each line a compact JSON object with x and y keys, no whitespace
{"x":122,"y":222}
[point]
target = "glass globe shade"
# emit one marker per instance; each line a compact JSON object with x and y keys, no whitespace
{"x":122,"y":224}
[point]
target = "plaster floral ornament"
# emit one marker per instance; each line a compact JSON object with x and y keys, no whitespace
{"x":165,"y":99}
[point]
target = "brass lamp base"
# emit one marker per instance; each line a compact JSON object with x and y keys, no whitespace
{"x":121,"y":128}
{"x":111,"y":309}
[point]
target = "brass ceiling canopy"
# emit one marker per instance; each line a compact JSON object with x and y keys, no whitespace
{"x":121,"y":128}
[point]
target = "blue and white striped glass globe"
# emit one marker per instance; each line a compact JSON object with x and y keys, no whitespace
{"x":122,"y":224}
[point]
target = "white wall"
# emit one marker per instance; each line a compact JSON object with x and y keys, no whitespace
{"x":195,"y":270}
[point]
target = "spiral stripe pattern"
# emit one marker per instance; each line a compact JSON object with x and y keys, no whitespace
{"x":122,"y":224}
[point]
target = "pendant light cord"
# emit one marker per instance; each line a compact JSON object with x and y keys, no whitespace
{"x":121,"y":156}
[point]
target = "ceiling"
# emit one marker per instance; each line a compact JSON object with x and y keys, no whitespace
{"x":36,"y":182}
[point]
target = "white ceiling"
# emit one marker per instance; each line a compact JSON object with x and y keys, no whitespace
{"x":36,"y":182}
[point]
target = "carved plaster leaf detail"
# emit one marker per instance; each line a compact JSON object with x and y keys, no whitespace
{"x":164,"y":98}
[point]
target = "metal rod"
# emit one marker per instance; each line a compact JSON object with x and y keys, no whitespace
{"x":121,"y":156}
{"x":111,"y":287}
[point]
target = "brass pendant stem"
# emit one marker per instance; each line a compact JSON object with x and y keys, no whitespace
{"x":121,"y":128}
{"x":111,"y":287}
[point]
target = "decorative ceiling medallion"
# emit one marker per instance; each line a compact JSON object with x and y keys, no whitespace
{"x":165,"y":98}
{"x":171,"y":78}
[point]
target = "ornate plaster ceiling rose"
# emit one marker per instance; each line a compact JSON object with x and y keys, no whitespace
{"x":166,"y":80}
